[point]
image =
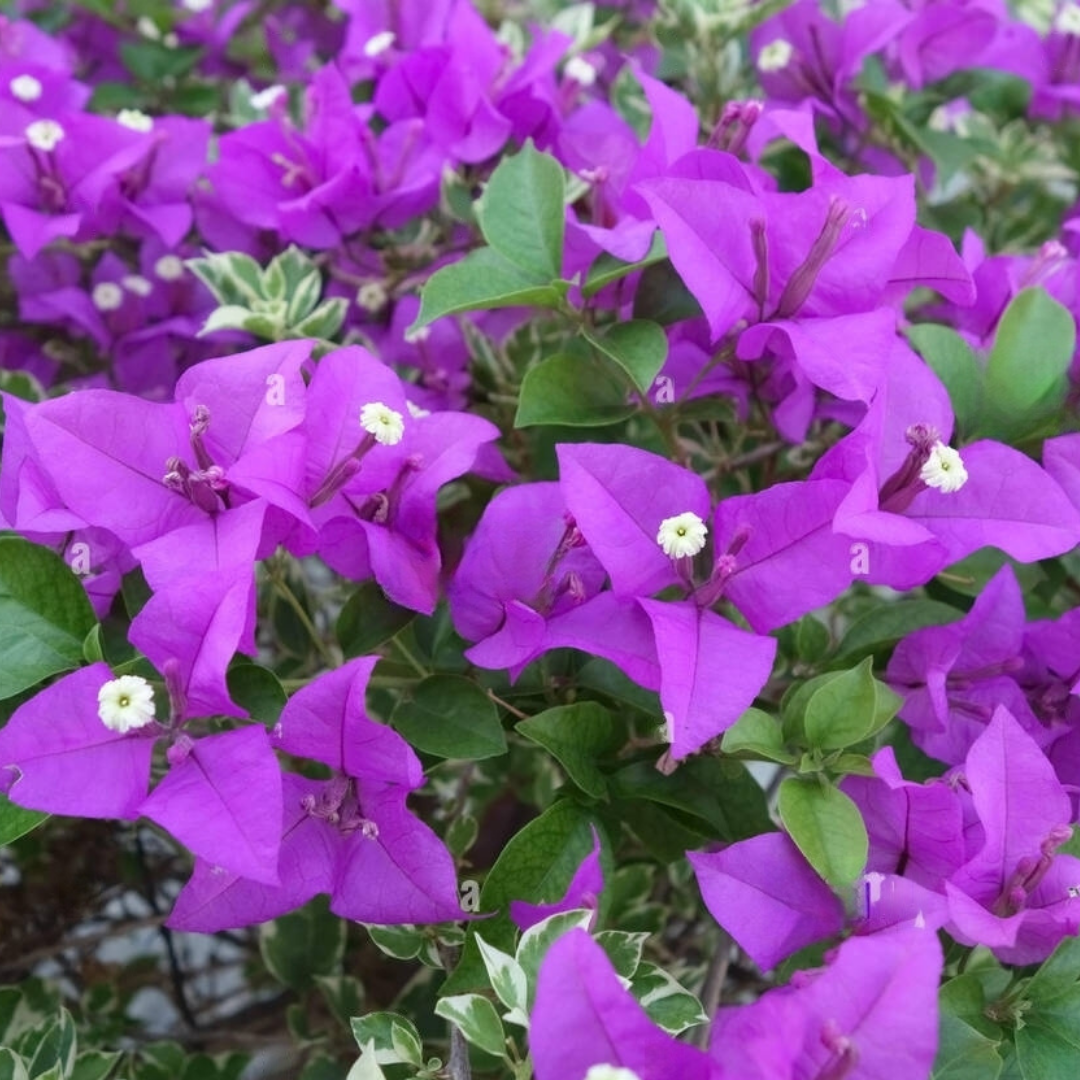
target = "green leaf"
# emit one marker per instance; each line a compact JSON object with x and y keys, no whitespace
{"x":393,"y":1038}
{"x":1048,"y":1044}
{"x":21,"y":384}
{"x":476,"y":1019}
{"x":324,"y":322}
{"x":964,"y":1053}
{"x":257,"y":690}
{"x":483,"y":280}
{"x":343,"y":993}
{"x":94,"y":1065}
{"x":954,"y":363}
{"x":93,"y":651}
{"x":535,"y":942}
{"x":666,"y":834}
{"x":663,"y":297}
{"x":639,"y":347}
{"x":522,"y":212}
{"x":57,"y":1048}
{"x":607,"y":269}
{"x":721,"y":793}
{"x":306,"y":943}
{"x":507,"y":977}
{"x":848,"y":708}
{"x":760,"y":735}
{"x":366,"y":1067}
{"x":400,"y":942}
{"x":668,"y":1003}
{"x":233,"y":277}
{"x":1027,"y":371}
{"x":535,"y":866}
{"x":574,"y":391}
{"x":827,"y":828}
{"x":885,"y":624}
{"x":369,"y":619}
{"x":451,"y":717}
{"x":44,"y":615}
{"x":153,"y":62}
{"x":576,"y":736}
{"x":623,"y":950}
{"x":1058,"y":974}
{"x":11,"y":1065}
{"x":16,"y":821}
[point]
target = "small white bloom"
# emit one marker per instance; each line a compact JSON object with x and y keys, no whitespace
{"x":383,"y":422}
{"x":170,"y":41}
{"x":944,"y":469}
{"x":126,"y":703}
{"x":775,"y":56}
{"x":682,"y":535}
{"x":372,"y":296}
{"x":611,"y":1072}
{"x":169,"y":268}
{"x":137,"y":284}
{"x":417,"y":336}
{"x":1068,"y":20}
{"x":375,"y":46}
{"x":148,"y":28}
{"x":25,"y":87}
{"x":265,"y":98}
{"x":416,"y":412}
{"x":135,"y":119}
{"x":580,"y":70}
{"x":197,"y":5}
{"x":44,"y":134}
{"x":107,"y":296}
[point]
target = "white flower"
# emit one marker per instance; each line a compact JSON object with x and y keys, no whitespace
{"x":169,"y":268}
{"x":378,"y":44}
{"x":25,"y":87}
{"x":944,"y":469}
{"x":148,"y":28}
{"x":135,"y":119}
{"x":137,"y":284}
{"x":610,"y":1072}
{"x":126,"y":703}
{"x":265,"y":98}
{"x":580,"y":70}
{"x":197,"y":5}
{"x":775,"y":56}
{"x":682,"y":535}
{"x":107,"y":296}
{"x":381,"y":421}
{"x":44,"y":134}
{"x":372,"y":296}
{"x":1068,"y":20}
{"x":417,"y":336}
{"x":416,"y":412}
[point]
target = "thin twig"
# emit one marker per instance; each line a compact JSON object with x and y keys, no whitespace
{"x":176,"y":974}
{"x":713,"y":989}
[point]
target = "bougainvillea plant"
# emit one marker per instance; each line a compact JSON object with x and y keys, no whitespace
{"x":539,"y":539}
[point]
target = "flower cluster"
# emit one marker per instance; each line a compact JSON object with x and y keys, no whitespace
{"x":775,"y":313}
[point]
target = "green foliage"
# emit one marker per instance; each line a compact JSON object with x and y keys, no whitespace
{"x":1026,"y":372}
{"x":522,"y":217}
{"x":451,"y":717}
{"x":302,"y":945}
{"x":277,"y":303}
{"x":573,"y":391}
{"x":16,"y":821}
{"x":827,"y":828}
{"x":577,"y":736}
{"x":44,"y":615}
